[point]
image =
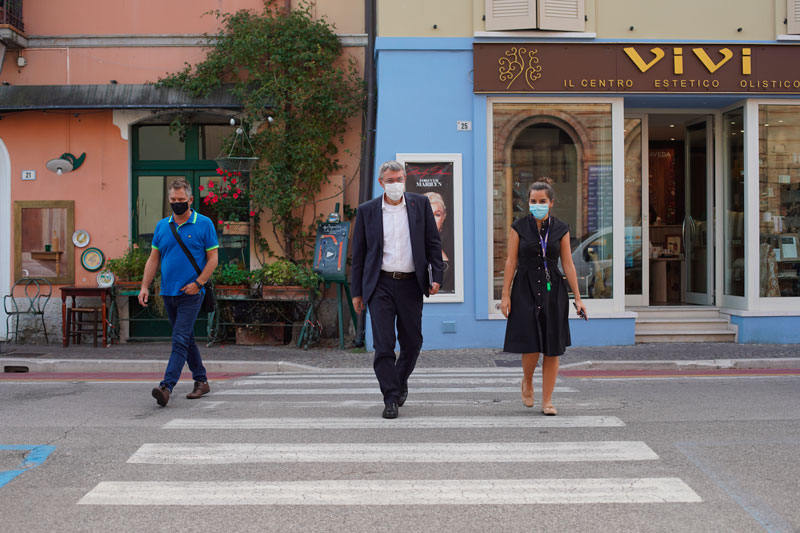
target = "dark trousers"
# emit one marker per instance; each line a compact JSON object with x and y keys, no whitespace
{"x":395,"y":301}
{"x":182,"y":312}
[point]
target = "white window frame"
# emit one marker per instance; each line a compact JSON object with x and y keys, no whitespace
{"x":756,"y":302}
{"x":456,"y":211}
{"x":606,"y":307}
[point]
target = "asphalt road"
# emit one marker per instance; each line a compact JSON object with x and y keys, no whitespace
{"x":290,"y":452}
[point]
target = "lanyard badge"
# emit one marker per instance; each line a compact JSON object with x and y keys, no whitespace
{"x":543,"y":243}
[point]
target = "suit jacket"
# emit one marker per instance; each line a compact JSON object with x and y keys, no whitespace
{"x":426,"y":245}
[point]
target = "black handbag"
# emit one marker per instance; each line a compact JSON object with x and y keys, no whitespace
{"x":209,"y":300}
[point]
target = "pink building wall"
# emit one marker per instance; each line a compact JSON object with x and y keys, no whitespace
{"x":84,"y":42}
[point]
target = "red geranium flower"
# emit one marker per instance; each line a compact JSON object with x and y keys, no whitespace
{"x":233,"y":180}
{"x":252,"y":213}
{"x":210,"y":184}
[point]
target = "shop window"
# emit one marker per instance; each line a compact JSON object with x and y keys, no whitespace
{"x":156,"y":143}
{"x":212,"y":139}
{"x":779,"y":195}
{"x":571,"y":144}
{"x":552,"y":15}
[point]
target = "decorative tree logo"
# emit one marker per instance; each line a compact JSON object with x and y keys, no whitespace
{"x":513,"y":65}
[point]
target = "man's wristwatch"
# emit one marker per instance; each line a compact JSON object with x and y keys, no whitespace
{"x":199,"y":285}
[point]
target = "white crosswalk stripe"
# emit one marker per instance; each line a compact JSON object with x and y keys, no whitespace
{"x":395,"y":492}
{"x":367,"y":380}
{"x":491,"y":394}
{"x":364,"y":452}
{"x":432,"y":422}
{"x":373,"y":391}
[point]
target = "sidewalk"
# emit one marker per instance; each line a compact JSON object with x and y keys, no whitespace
{"x":152,"y":357}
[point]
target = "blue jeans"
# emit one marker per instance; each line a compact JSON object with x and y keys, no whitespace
{"x":182,"y":311}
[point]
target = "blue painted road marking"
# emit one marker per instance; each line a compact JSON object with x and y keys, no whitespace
{"x":36,"y":456}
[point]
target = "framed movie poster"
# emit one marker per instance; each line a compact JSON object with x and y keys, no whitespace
{"x":438,"y":176}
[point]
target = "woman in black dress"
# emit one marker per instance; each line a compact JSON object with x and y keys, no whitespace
{"x":537,"y":307}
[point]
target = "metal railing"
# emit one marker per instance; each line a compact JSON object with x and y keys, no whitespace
{"x":11,"y":13}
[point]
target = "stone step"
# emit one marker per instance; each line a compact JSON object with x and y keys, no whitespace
{"x":687,"y":335}
{"x":677,"y":313}
{"x":678,"y":325}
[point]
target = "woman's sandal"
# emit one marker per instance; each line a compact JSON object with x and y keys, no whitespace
{"x":527,"y":401}
{"x":549,"y":410}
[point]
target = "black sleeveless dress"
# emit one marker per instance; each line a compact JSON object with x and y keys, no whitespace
{"x":539,"y":320}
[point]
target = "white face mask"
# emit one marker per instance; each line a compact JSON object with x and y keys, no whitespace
{"x":395,"y":190}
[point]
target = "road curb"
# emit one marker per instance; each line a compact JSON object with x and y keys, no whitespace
{"x":702,"y":364}
{"x":143,"y":365}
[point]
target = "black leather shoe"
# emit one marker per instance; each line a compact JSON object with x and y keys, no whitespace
{"x":390,"y":411}
{"x":403,"y":396}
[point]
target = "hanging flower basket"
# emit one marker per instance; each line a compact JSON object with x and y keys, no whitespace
{"x":236,"y":164}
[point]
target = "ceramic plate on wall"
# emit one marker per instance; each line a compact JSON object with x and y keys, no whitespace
{"x":105,"y":279}
{"x":80,"y":238}
{"x":92,"y":259}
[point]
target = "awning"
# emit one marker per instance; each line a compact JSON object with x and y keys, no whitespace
{"x":111,"y":96}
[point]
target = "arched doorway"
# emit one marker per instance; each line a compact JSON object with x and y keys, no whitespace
{"x":5,"y":229}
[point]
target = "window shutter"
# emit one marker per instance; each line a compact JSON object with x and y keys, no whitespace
{"x":563,"y":15}
{"x":510,"y":15}
{"x":793,"y":16}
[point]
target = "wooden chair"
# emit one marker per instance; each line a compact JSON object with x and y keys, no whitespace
{"x":84,"y":321}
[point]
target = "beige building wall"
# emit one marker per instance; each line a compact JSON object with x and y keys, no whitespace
{"x":760,"y":20}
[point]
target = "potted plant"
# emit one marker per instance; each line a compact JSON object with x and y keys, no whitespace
{"x":231,"y":281}
{"x":286,"y":281}
{"x":229,"y":196}
{"x":128,"y":269}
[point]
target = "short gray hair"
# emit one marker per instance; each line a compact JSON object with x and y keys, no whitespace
{"x":180,"y":183}
{"x":391,"y":165}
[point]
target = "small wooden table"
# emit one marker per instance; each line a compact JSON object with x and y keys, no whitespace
{"x":54,"y":255}
{"x":104,"y":293}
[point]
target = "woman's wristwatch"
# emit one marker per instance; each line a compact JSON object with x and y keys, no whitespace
{"x":199,"y":285}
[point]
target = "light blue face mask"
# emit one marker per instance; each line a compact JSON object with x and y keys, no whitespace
{"x":539,"y":211}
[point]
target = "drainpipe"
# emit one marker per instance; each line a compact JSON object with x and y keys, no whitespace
{"x":368,"y":143}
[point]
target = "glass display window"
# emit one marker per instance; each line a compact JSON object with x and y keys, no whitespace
{"x":779,"y":200}
{"x":571,"y":144}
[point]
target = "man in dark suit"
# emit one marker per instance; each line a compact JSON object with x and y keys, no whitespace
{"x":397,"y":258}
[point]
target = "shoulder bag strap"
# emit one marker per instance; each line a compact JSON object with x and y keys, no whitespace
{"x":185,"y":250}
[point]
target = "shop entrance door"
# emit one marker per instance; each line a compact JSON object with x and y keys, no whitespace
{"x":637,"y":266}
{"x":697,"y":228}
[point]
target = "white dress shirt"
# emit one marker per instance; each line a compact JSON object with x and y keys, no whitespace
{"x":397,"y":256}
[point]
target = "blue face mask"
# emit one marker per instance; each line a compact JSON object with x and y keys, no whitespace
{"x":539,"y":211}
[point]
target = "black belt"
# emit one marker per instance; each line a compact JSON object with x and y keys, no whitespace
{"x":398,"y":275}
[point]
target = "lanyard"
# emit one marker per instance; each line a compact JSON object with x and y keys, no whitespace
{"x":543,"y":242}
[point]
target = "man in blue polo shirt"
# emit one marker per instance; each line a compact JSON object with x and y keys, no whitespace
{"x":181,"y":287}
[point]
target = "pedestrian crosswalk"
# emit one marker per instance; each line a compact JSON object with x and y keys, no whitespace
{"x":432,"y":430}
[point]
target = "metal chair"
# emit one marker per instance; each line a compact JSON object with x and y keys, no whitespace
{"x":36,"y":292}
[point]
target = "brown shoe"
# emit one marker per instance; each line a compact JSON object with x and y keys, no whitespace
{"x":161,"y":394}
{"x":200,"y":388}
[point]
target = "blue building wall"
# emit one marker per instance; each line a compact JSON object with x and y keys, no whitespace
{"x":424,"y":87}
{"x":767,"y":329}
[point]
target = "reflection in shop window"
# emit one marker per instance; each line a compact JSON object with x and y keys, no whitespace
{"x":733,"y":199}
{"x":571,"y":144}
{"x":779,"y":192}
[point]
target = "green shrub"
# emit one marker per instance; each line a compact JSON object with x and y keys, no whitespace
{"x":130,"y":266}
{"x":283,"y":273}
{"x":230,"y":274}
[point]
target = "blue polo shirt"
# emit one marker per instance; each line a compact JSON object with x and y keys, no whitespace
{"x":199,"y":236}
